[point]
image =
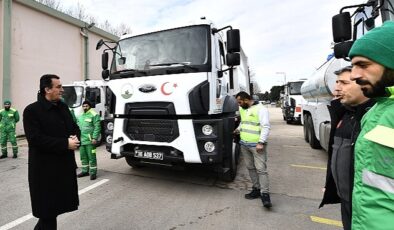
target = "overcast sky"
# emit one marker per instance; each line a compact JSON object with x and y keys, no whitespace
{"x":289,"y":36}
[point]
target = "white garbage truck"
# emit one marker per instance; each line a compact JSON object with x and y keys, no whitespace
{"x":92,"y":90}
{"x":291,"y":101}
{"x":318,"y":89}
{"x":171,"y":96}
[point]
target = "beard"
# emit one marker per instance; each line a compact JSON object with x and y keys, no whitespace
{"x":245,"y":106}
{"x":379,"y":89}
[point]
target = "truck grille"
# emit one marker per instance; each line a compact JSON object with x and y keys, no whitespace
{"x":152,"y":130}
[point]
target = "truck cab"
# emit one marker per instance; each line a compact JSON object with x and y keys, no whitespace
{"x":171,"y":98}
{"x":291,"y":101}
{"x":92,"y":90}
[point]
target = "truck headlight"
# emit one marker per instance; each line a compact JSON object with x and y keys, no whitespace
{"x":207,"y":130}
{"x":108,"y":139}
{"x":110,"y":126}
{"x":209,"y":146}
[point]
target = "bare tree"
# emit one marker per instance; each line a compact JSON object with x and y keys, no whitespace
{"x":54,"y":4}
{"x":79,"y":12}
{"x":122,"y":29}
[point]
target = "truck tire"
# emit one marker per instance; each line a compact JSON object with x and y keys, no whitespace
{"x":135,"y":164}
{"x":306,"y":128}
{"x":230,"y":165}
{"x":313,"y":141}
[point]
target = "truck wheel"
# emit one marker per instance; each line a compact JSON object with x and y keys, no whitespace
{"x":313,"y":141}
{"x":133,"y":163}
{"x":230,"y":165}
{"x":306,"y":128}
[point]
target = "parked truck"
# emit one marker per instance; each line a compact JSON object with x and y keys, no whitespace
{"x":318,"y":89}
{"x":91,"y":90}
{"x":171,"y":96}
{"x":291,"y":101}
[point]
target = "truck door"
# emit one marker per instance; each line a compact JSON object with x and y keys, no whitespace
{"x":94,"y":95}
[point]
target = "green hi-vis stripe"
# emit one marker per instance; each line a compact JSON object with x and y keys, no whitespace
{"x":250,"y":123}
{"x":250,"y":131}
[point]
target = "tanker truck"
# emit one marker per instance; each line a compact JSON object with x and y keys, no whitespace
{"x":318,"y":92}
{"x":171,"y":97}
{"x":318,"y":89}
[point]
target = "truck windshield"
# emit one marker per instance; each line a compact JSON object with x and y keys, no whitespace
{"x":295,"y":88}
{"x":181,"y":47}
{"x":72,"y":96}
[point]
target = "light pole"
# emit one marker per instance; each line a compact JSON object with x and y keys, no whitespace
{"x":284,"y":75}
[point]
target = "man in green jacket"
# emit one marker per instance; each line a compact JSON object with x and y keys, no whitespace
{"x":89,"y":123}
{"x":8,"y":119}
{"x":373,"y":69}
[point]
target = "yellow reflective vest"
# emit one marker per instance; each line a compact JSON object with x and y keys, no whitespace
{"x":250,"y":124}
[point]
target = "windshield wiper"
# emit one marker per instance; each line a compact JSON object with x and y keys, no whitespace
{"x":185,"y":64}
{"x":130,"y":70}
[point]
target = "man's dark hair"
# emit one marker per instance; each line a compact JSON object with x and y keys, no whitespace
{"x":243,"y":95}
{"x":343,"y":70}
{"x":46,"y":81}
{"x":86,"y":102}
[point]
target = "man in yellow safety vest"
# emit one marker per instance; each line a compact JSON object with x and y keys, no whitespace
{"x":254,"y":130}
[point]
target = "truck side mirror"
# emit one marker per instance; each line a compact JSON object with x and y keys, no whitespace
{"x":233,"y":41}
{"x":233,"y":59}
{"x":105,"y":74}
{"x":99,"y":44}
{"x":341,"y":50}
{"x":342,"y":27}
{"x":104,"y":60}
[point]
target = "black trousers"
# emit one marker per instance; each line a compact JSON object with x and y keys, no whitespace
{"x":46,"y":224}
{"x":346,"y":213}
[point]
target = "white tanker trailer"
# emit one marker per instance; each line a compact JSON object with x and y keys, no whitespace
{"x":318,"y":92}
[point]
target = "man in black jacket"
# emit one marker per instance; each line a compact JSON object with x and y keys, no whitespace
{"x":52,"y":136}
{"x":346,"y":112}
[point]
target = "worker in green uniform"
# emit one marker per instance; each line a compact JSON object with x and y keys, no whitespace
{"x":8,"y":119}
{"x":89,"y":123}
{"x":372,"y":58}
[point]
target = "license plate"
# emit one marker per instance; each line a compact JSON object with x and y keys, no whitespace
{"x":148,"y":154}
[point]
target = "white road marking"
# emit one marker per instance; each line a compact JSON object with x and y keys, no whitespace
{"x":30,"y":215}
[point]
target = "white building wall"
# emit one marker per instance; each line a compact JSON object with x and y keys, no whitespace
{"x":1,"y":48}
{"x":44,"y":44}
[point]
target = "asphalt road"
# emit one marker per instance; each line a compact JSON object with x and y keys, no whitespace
{"x":193,"y":198}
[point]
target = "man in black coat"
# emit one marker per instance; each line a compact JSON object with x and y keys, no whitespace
{"x":52,"y":136}
{"x":346,"y":112}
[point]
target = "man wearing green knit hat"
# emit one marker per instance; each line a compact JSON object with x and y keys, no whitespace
{"x":373,"y":69}
{"x":8,"y":119}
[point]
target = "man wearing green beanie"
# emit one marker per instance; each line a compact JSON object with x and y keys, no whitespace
{"x":8,"y":119}
{"x":373,"y":69}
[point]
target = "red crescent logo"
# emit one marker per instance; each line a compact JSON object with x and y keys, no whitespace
{"x":163,"y":90}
